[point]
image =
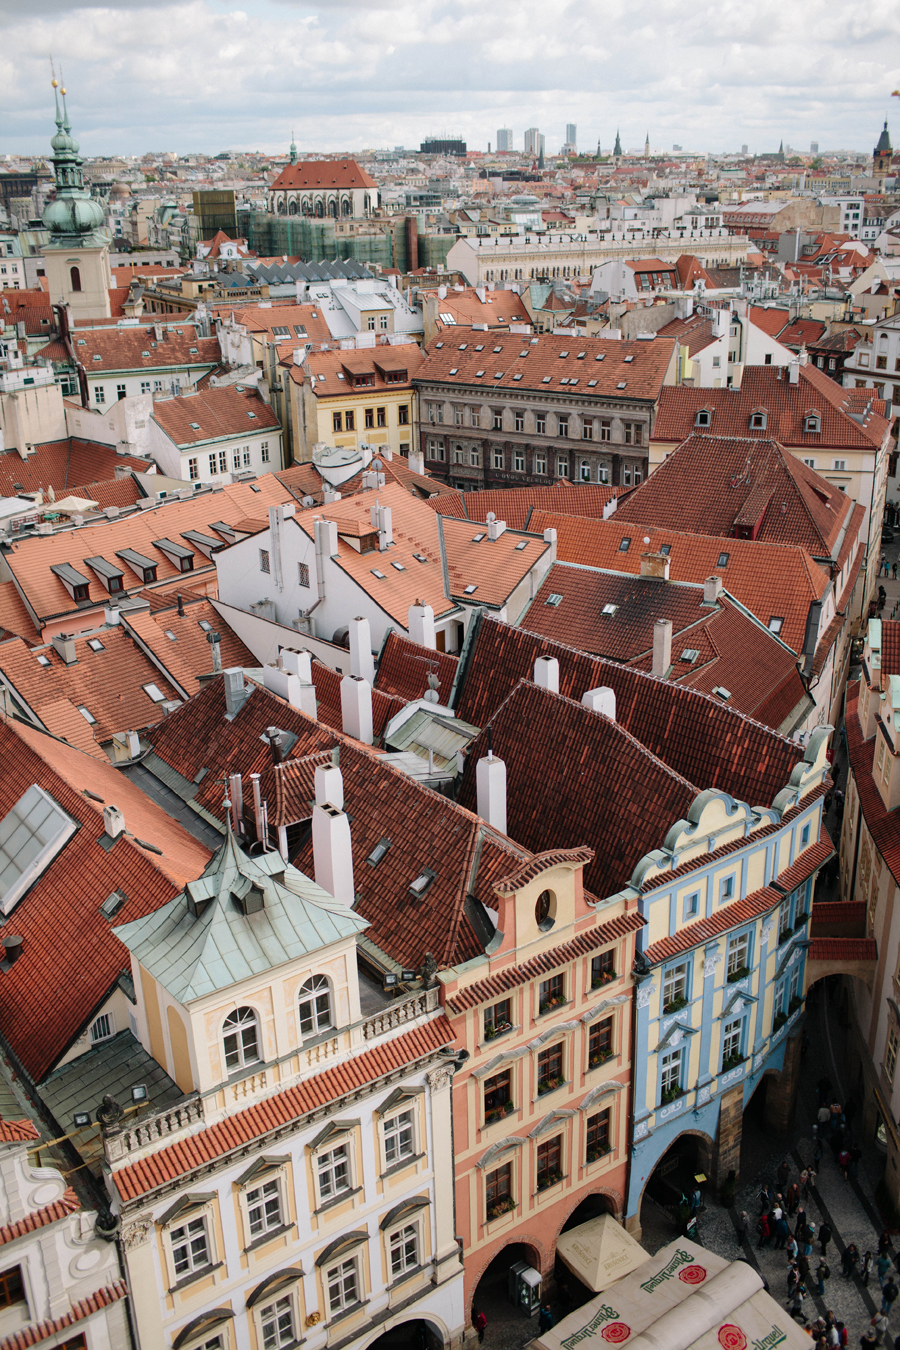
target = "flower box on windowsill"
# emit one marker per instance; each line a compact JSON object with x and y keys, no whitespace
{"x":674,"y":1005}
{"x":739,"y":974}
{"x":795,"y":1003}
{"x":594,"y":1153}
{"x":800,"y":921}
{"x":551,"y":1179}
{"x":551,"y":1003}
{"x":550,"y":1085}
{"x":731,"y":1062}
{"x":499,"y":1030}
{"x":605,"y":977}
{"x":498,"y":1113}
{"x":670,"y":1095}
{"x":501,"y":1207}
{"x":785,"y":935}
{"x":778,"y":1023}
{"x":594,"y":1061}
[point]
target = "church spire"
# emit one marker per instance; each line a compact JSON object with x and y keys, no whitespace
{"x":73,"y":217}
{"x":293,"y":148}
{"x":617,"y":148}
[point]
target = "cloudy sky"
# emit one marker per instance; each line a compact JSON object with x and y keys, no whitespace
{"x":346,"y":74}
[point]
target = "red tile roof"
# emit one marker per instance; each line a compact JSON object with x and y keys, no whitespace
{"x":85,"y":1307}
{"x":332,"y":370}
{"x":404,"y":668}
{"x":883,"y":825}
{"x":517,"y":505}
{"x":716,"y":484}
{"x":63,"y":465}
{"x":786,"y":405}
{"x":61,"y":924}
{"x":39,"y":1218}
{"x":15,"y":621}
{"x":121,"y":349}
{"x":328,"y":700}
{"x":498,"y":309}
{"x":189,"y":655}
{"x":214,"y":413}
{"x":18,"y":1131}
{"x":694,"y":333}
{"x":510,"y":977}
{"x":232,"y":1135}
{"x":308,"y":318}
{"x":697,"y":736}
{"x":839,"y":949}
{"x":322,"y":174}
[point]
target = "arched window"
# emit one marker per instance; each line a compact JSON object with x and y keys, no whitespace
{"x":345,"y":207}
{"x":332,"y":207}
{"x":75,"y":278}
{"x":281,"y":206}
{"x":241,"y":1036}
{"x":315,"y":1006}
{"x":292,"y":208}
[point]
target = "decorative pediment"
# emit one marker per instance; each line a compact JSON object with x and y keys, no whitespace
{"x":405,"y":1207}
{"x":598,"y":1093}
{"x":791,"y":956}
{"x":546,"y":1125}
{"x":602,"y":1007}
{"x":550,"y":1033}
{"x":205,"y":1322}
{"x":331,"y":1131}
{"x":398,"y":1097}
{"x":738,"y":1001}
{"x":492,"y":1065}
{"x":195,"y":1200}
{"x":274,"y":1283}
{"x":266,"y":1164}
{"x":675,"y":1034}
{"x":346,"y":1243}
{"x":502,"y":1146}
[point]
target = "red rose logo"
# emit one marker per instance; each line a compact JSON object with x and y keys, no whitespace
{"x":692,"y":1274}
{"x":616,"y":1333}
{"x":732,"y":1338}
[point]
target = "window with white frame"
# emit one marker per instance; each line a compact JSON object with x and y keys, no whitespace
{"x":585,"y":471}
{"x":404,"y":1245}
{"x":240,"y":1035}
{"x":277,"y":1324}
{"x":540,"y":463}
{"x":264,"y":1211}
{"x":223,"y":461}
{"x":475,"y":457}
{"x":342,"y":1285}
{"x":247,"y":459}
{"x":497,"y":459}
{"x":333,"y":1170}
{"x":587,"y":429}
{"x":436,"y":450}
{"x":212,"y":463}
{"x":190,"y":1248}
{"x":314,"y":1002}
{"x":738,"y":954}
{"x":193,"y":471}
{"x":399,"y":1138}
{"x":236,"y":459}
{"x":519,"y":461}
{"x":726,"y":890}
{"x":264,"y":451}
{"x":562,"y":466}
{"x":675,"y":983}
{"x":670,"y":1079}
{"x":732,"y":1036}
{"x":99,"y":393}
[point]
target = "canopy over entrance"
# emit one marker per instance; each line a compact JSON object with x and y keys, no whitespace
{"x":600,"y":1251}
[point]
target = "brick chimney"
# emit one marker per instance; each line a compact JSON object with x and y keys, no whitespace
{"x":655,"y":565}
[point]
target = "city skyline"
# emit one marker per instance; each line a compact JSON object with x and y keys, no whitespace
{"x":349,"y":75}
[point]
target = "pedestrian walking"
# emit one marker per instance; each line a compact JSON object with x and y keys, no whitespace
{"x":545,"y":1318}
{"x":795,"y":1303}
{"x":811,"y":1180}
{"x":793,"y":1277}
{"x":765,"y":1200}
{"x":884,"y":1242}
{"x":823,"y":1273}
{"x":894,"y":569}
{"x":479,"y":1322}
{"x":803,"y":1267}
{"x":792,"y":1197}
{"x":742,"y":1232}
{"x":764,"y":1229}
{"x":868,"y":1338}
{"x":844,"y":1162}
{"x":825,"y":1236}
{"x":868,"y":1263}
{"x":784,"y":1171}
{"x":696,"y":1200}
{"x":879,"y":1326}
{"x":889,"y":1292}
{"x":782,"y":1233}
{"x":804,"y":1184}
{"x":882,"y":1267}
{"x":793,"y":1250}
{"x":800,"y":1219}
{"x":850,"y":1260}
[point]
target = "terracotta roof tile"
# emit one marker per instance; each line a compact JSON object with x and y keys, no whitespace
{"x":333,"y":370}
{"x":328,"y":700}
{"x":883,"y":825}
{"x":323,"y":174}
{"x":517,"y":505}
{"x":39,"y":1218}
{"x":121,"y":349}
{"x":15,"y":621}
{"x":18,"y":1131}
{"x":404,"y":667}
{"x":308,"y":318}
{"x":842,"y":949}
{"x":63,"y":465}
{"x":498,"y":309}
{"x":326,"y":1088}
{"x":85,"y":1307}
{"x":189,"y":655}
{"x":214,"y":413}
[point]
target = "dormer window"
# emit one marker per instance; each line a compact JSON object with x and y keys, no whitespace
{"x":812,"y":421}
{"x":240,"y":1035}
{"x":703,"y":418}
{"x":314,"y":1006}
{"x":758,"y":419}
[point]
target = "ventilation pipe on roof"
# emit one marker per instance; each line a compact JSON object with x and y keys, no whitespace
{"x":601,"y":700}
{"x":273,"y":736}
{"x":236,"y":793}
{"x":490,"y":784}
{"x":113,"y":821}
{"x":214,"y":639}
{"x":420,"y":625}
{"x":712,"y":589}
{"x":236,"y":691}
{"x":662,"y":646}
{"x":546,"y":673}
{"x":362,"y":662}
{"x":332,"y":851}
{"x":258,"y":813}
{"x":356,"y":708}
{"x":180,"y":606}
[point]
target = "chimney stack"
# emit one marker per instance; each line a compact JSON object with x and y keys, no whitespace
{"x":356,"y":708}
{"x":490,"y":784}
{"x":113,"y":821}
{"x":236,"y":793}
{"x":495,"y":527}
{"x":273,"y":736}
{"x":214,"y":639}
{"x":601,"y":700}
{"x":546,"y":673}
{"x":332,"y":852}
{"x":794,"y":372}
{"x":236,"y":692}
{"x":180,"y":607}
{"x":420,"y":621}
{"x":655,"y":565}
{"x":712,"y":589}
{"x":362,"y":662}
{"x":111,"y":616}
{"x":65,"y":648}
{"x":662,"y":646}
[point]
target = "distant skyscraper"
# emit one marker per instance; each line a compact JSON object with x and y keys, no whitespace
{"x":571,"y":134}
{"x":814,"y":147}
{"x":533,"y":141}
{"x":504,"y":138}
{"x":745,"y":149}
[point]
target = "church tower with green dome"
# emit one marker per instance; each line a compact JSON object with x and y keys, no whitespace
{"x":76,"y":259}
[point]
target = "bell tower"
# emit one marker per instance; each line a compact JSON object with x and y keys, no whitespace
{"x":881,"y":155}
{"x":76,"y":259}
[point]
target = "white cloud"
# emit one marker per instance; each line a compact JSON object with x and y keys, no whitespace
{"x":195,"y":74}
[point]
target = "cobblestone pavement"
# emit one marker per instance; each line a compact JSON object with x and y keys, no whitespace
{"x":848,"y":1206}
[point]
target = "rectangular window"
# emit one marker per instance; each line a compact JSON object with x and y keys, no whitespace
{"x":264,"y":565}
{"x":334,"y":1171}
{"x":403,"y":415}
{"x":550,"y":1068}
{"x":475,"y":417}
{"x":551,"y":993}
{"x":458,"y":416}
{"x":264,"y":1208}
{"x":303,"y":573}
{"x":383,"y":321}
{"x":497,"y":1019}
{"x":497,"y":419}
{"x":276,"y":1321}
{"x":519,"y":461}
{"x":840,"y":465}
{"x":675,"y":987}
{"x":399,"y":1138}
{"x":336,"y":421}
{"x":587,"y":429}
{"x":404,"y":1250}
{"x":540,"y":463}
{"x":603,"y":968}
{"x":498,"y":1192}
{"x":212,"y":463}
{"x":497,"y":1096}
{"x":562,"y":466}
{"x":12,"y":1290}
{"x":145,"y":386}
{"x":585,"y":474}
{"x":264,"y":452}
{"x":381,"y":417}
{"x":600,"y":1042}
{"x":99,"y":393}
{"x":732,"y":1035}
{"x":193,"y":471}
{"x":692,"y":905}
{"x":369,"y":417}
{"x":436,"y":450}
{"x":121,"y":391}
{"x":549,"y":1162}
{"x":236,"y":459}
{"x":475,"y":458}
{"x":738,"y":956}
{"x":727,"y":890}
{"x":459,"y":455}
{"x":190,"y":1248}
{"x":562,"y":426}
{"x":890,"y":1054}
{"x":342,"y":1282}
{"x":670,"y":1081}
{"x":519,"y":418}
{"x":246,"y":457}
{"x":350,"y":421}
{"x":371,"y":323}
{"x":540,"y":423}
{"x":497,"y":459}
{"x":605,"y":429}
{"x":223,"y":461}
{"x":598,"y":1135}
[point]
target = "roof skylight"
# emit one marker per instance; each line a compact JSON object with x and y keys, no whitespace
{"x":470,"y":590}
{"x":378,"y":851}
{"x":87,"y":714}
{"x":422,"y":882}
{"x":31,"y":834}
{"x":554,"y":600}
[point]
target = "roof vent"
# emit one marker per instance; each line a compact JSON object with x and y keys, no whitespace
{"x":690,"y":655}
{"x":721,"y":692}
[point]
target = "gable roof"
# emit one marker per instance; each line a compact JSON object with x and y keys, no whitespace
{"x":330,"y":370}
{"x":404,"y":667}
{"x":179,"y":643}
{"x":308,"y":318}
{"x":121,"y":349}
{"x":64,"y":465}
{"x":464,"y":308}
{"x":515,"y":505}
{"x":718,"y":484}
{"x":213,"y":414}
{"x":319,"y":175}
{"x":695,"y":735}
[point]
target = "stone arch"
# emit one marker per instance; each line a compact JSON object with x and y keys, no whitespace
{"x":332,"y":207}
{"x":281,"y":206}
{"x":613,"y":1199}
{"x":706,"y":1152}
{"x":345,"y":206}
{"x":75,"y":278}
{"x":538,"y":1248}
{"x":437,"y":1325}
{"x":304,"y":206}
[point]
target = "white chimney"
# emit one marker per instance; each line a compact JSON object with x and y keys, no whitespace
{"x":326,"y":538}
{"x":662,"y":646}
{"x":236,"y":692}
{"x":356,"y":708}
{"x":332,"y":852}
{"x":546,"y":673}
{"x":292,"y":680}
{"x":111,"y":616}
{"x":601,"y":700}
{"x":712,"y":589}
{"x":495,"y":527}
{"x":113,"y":821}
{"x":65,"y":648}
{"x":362,"y":663}
{"x":442,"y":292}
{"x":549,"y":536}
{"x":329,"y":786}
{"x":385,"y":527}
{"x":490,"y":784}
{"x":794,"y":372}
{"x":420,"y":622}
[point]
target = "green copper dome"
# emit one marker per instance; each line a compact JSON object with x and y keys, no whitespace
{"x":73,"y":217}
